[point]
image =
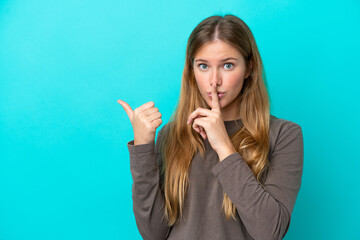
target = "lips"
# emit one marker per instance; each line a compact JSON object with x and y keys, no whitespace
{"x":220,"y":94}
{"x":209,"y":93}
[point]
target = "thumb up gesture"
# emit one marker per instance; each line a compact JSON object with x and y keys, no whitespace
{"x":144,"y":120}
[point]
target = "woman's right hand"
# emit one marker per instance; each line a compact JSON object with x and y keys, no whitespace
{"x":144,"y":120}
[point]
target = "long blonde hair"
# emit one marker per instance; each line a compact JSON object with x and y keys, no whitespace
{"x":181,"y":141}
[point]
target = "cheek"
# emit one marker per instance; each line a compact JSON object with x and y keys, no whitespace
{"x":235,"y":81}
{"x":200,"y":81}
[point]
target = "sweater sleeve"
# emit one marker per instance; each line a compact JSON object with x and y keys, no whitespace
{"x":148,"y":201}
{"x":266,"y":211}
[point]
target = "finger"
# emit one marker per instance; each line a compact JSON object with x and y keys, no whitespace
{"x":127,"y":108}
{"x":196,"y":128}
{"x":203,"y":133}
{"x":215,"y":99}
{"x":157,"y":122}
{"x":199,"y":112}
{"x":146,"y":106}
{"x":152,"y":117}
{"x":150,"y":111}
{"x":200,"y":125}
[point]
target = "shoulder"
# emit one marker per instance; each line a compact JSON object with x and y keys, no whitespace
{"x":280,"y":124}
{"x":283,"y":132}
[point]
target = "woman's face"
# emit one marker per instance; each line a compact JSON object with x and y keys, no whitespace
{"x":219,"y":62}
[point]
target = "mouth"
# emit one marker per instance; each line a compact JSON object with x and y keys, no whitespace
{"x":209,"y":93}
{"x":220,"y":94}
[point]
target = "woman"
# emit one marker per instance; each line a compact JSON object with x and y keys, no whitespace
{"x":223,"y":167}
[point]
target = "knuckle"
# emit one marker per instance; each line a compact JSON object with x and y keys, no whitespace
{"x":148,"y":125}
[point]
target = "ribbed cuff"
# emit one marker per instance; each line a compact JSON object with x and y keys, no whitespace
{"x":142,"y":157}
{"x":140,"y":148}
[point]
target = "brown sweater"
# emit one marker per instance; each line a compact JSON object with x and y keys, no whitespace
{"x":262,"y":213}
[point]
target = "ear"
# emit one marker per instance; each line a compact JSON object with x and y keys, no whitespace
{"x":249,"y":69}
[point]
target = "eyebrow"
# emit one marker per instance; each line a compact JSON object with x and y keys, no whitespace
{"x":223,"y":60}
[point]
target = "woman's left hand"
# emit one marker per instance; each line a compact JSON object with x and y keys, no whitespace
{"x":209,"y":124}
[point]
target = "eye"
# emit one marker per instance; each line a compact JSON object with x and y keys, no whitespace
{"x":201,"y":67}
{"x":228,"y":64}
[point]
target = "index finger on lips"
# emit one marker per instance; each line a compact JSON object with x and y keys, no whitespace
{"x":215,"y":99}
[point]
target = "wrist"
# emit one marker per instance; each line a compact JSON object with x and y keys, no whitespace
{"x":140,"y":142}
{"x":225,"y":152}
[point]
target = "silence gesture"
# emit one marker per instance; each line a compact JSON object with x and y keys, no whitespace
{"x":209,"y":124}
{"x":144,"y":120}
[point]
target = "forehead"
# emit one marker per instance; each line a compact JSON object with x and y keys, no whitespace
{"x":217,"y":49}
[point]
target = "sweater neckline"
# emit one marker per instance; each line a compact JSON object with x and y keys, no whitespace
{"x":232,"y":124}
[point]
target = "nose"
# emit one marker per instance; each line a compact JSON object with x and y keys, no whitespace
{"x":215,"y":77}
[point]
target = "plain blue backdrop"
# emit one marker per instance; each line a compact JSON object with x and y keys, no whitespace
{"x":64,"y":162}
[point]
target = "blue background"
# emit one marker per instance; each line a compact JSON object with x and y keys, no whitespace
{"x":64,"y":162}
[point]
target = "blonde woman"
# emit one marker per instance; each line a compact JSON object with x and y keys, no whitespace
{"x":223,"y":167}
